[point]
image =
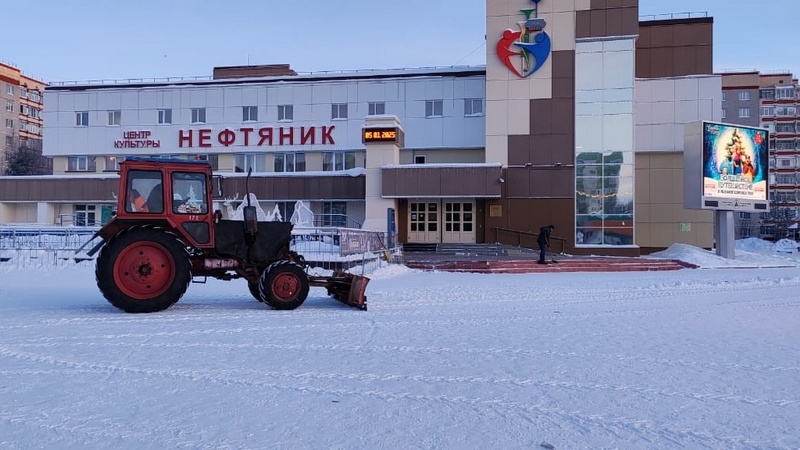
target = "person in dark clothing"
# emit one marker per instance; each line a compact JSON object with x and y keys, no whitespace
{"x":544,"y":242}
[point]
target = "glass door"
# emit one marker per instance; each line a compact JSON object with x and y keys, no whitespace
{"x":459,"y":222}
{"x":423,"y":222}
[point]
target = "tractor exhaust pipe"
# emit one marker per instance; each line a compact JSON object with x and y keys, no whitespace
{"x":250,"y":215}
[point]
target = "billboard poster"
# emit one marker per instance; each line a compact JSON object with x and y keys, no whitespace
{"x":735,"y":162}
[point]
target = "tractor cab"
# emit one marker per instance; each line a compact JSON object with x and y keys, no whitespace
{"x":176,"y":191}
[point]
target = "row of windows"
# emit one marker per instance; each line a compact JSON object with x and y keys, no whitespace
{"x":783,"y":144}
{"x":30,"y":111}
{"x":781,"y":111}
{"x":31,"y":94}
{"x":743,"y":96}
{"x":243,"y":162}
{"x":334,"y":213}
{"x":30,"y":127}
{"x":339,"y":111}
{"x":785,"y":92}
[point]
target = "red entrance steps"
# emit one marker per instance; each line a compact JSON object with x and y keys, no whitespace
{"x":572,"y":264}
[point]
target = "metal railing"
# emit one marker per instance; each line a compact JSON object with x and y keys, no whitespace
{"x":335,"y":220}
{"x":331,"y":248}
{"x":153,"y":80}
{"x":527,"y":239}
{"x":675,"y":15}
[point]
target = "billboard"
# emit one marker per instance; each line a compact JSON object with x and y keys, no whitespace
{"x":734,"y":167}
{"x":735,"y":161}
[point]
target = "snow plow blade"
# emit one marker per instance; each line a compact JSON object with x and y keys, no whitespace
{"x":345,"y":287}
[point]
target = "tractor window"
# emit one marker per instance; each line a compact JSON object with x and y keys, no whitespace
{"x":189,"y":193}
{"x":144,"y":192}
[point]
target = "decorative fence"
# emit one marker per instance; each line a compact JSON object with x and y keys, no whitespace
{"x":327,"y":248}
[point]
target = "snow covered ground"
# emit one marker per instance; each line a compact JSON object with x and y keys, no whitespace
{"x":705,"y":358}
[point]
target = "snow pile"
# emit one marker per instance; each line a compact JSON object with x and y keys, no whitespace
{"x":749,"y":253}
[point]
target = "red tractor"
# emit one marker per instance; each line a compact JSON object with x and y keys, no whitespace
{"x":165,"y":233}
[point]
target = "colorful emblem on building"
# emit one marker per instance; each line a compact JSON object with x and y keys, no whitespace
{"x":531,"y":40}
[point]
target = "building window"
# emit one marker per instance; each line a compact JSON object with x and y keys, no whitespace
{"x":286,"y":209}
{"x":784,"y":92}
{"x":473,"y":107}
{"x":85,"y":215}
{"x":290,"y":162}
{"x":724,"y":113}
{"x":198,"y":115}
{"x":767,"y":111}
{"x":249,"y":114}
{"x":339,"y":111}
{"x":114,"y":117}
{"x":82,"y":118}
{"x":724,"y":96}
{"x":744,"y":113}
{"x":81,"y":164}
{"x":744,"y":96}
{"x":164,"y":116}
{"x":333,"y":161}
{"x":285,"y":112}
{"x":112,"y":163}
{"x":434,"y":108}
{"x":420,"y":159}
{"x":334,"y":214}
{"x":212,"y":159}
{"x":766,"y":93}
{"x":10,"y":106}
{"x":785,"y":127}
{"x":9,"y":124}
{"x":785,"y":111}
{"x":189,"y":193}
{"x":246,"y":161}
{"x":377,"y":108}
{"x":9,"y":140}
{"x":9,"y":89}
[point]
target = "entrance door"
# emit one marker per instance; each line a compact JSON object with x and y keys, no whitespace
{"x":423,"y":223}
{"x":459,"y":222}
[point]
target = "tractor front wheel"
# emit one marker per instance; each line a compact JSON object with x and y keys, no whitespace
{"x":143,"y":270}
{"x":284,"y":285}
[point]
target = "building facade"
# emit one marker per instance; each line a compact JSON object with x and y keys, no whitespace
{"x":22,"y":101}
{"x":576,"y":121}
{"x":771,"y":101}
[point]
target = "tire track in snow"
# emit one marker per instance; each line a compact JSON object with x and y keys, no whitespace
{"x":644,"y":311}
{"x":618,"y":425}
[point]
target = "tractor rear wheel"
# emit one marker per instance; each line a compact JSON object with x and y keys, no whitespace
{"x":284,"y":285}
{"x":143,"y":269}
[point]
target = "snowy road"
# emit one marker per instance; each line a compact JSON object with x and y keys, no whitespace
{"x":686,"y":359}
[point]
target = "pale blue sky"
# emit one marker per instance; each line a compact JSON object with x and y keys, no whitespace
{"x":112,"y":39}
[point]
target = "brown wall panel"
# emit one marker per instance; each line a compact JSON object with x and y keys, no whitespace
{"x":563,"y":114}
{"x":541,"y":149}
{"x":519,"y":149}
{"x":541,"y":182}
{"x":480,"y":181}
{"x":564,"y":63}
{"x":674,"y":47}
{"x":517,"y":183}
{"x":541,"y":116}
{"x":430,"y":181}
{"x":57,"y":189}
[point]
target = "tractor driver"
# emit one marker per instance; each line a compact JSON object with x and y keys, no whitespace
{"x":138,"y":204}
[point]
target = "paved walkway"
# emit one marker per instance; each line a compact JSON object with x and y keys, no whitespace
{"x":526,"y":262}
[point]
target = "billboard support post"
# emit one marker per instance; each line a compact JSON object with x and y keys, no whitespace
{"x":724,"y":234}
